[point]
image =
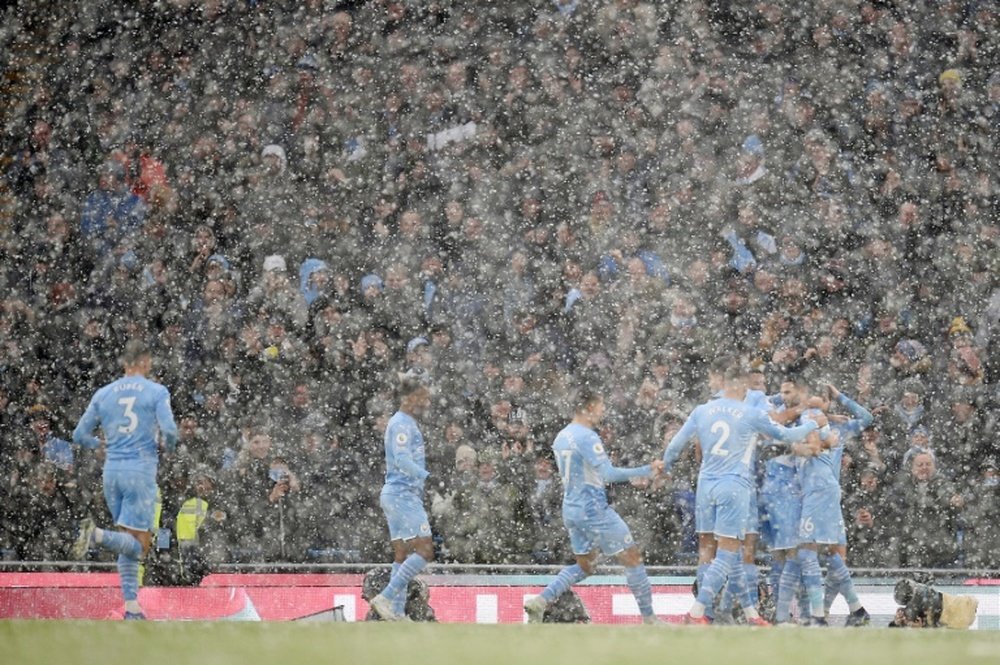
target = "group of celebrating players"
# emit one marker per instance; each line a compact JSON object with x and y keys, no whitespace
{"x":770,"y":469}
{"x":791,"y":500}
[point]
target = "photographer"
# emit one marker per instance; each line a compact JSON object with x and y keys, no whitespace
{"x":925,"y":607}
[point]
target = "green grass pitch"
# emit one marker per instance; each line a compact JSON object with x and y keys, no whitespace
{"x":156,"y":643}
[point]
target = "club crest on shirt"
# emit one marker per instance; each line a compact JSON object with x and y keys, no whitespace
{"x":401,"y":439}
{"x":598,"y":449}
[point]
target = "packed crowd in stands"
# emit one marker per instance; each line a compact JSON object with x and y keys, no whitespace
{"x":293,"y":201}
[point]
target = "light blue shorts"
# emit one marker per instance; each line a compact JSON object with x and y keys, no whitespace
{"x":131,"y":497}
{"x":406,"y":516}
{"x":603,"y":529}
{"x":822,"y":520}
{"x":783,"y":513}
{"x":721,"y":506}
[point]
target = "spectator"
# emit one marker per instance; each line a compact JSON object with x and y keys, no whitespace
{"x":924,"y":509}
{"x":867,"y":517}
{"x":982,"y":536}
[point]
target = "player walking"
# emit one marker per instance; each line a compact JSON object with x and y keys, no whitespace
{"x":593,"y":525}
{"x":129,"y":411}
{"x":402,"y":496}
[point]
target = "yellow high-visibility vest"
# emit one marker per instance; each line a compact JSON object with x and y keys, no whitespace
{"x":189,"y":520}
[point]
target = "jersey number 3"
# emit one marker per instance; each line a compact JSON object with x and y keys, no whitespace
{"x":720,"y":446}
{"x":133,"y":420}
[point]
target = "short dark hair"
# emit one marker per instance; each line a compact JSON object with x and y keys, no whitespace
{"x":134,"y":351}
{"x":412,"y":380}
{"x":585,"y":396}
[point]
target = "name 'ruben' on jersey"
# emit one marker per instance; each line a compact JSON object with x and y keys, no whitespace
{"x":129,"y":411}
{"x":405,"y":468}
{"x":727,"y":432}
{"x":585,"y":468}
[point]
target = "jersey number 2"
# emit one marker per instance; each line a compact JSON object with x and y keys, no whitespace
{"x":133,"y":420}
{"x":720,"y":446}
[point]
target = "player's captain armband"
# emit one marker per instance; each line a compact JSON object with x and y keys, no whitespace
{"x":401,"y":439}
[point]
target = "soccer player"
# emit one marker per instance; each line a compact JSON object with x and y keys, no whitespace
{"x":838,"y":577}
{"x":757,"y":398}
{"x":593,"y":525}
{"x":781,"y":495}
{"x":726,"y":428}
{"x":402,"y":497}
{"x":129,"y":411}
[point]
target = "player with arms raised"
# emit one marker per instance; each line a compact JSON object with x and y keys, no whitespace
{"x":727,"y":429}
{"x":594,"y":526}
{"x":129,"y":411}
{"x":402,"y":496}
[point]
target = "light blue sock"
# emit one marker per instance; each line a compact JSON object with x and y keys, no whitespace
{"x":727,"y":594}
{"x":401,"y":580}
{"x":831,"y":588}
{"x":699,"y":576}
{"x":774,"y":576}
{"x":787,"y":588}
{"x":128,"y":570}
{"x":736,"y":586}
{"x":715,"y":576}
{"x":120,"y":542}
{"x":802,"y":599}
{"x":398,"y":602}
{"x":638,"y":582}
{"x":752,"y":575}
{"x":566,"y":578}
{"x":838,"y":572}
{"x":812,"y":580}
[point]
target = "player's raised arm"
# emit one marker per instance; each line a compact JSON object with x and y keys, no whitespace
{"x":765,"y":425}
{"x":679,"y":440}
{"x":861,"y":418}
{"x":84,"y":433}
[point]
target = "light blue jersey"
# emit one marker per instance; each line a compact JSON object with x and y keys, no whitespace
{"x":401,"y":498}
{"x":585,"y":468}
{"x":819,"y":472}
{"x":405,"y":469}
{"x":129,"y":411}
{"x":727,"y":432}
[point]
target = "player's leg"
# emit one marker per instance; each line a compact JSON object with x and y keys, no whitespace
{"x":729,"y":525}
{"x":704,"y":524}
{"x":785,"y":513}
{"x":750,"y":569}
{"x":586,"y":554}
{"x":617,"y":538}
{"x":132,"y":497}
{"x":400,"y":550}
{"x":812,"y":580}
{"x":840,"y":575}
{"x":747,"y":586}
{"x":409,"y":526}
{"x":788,"y":586}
